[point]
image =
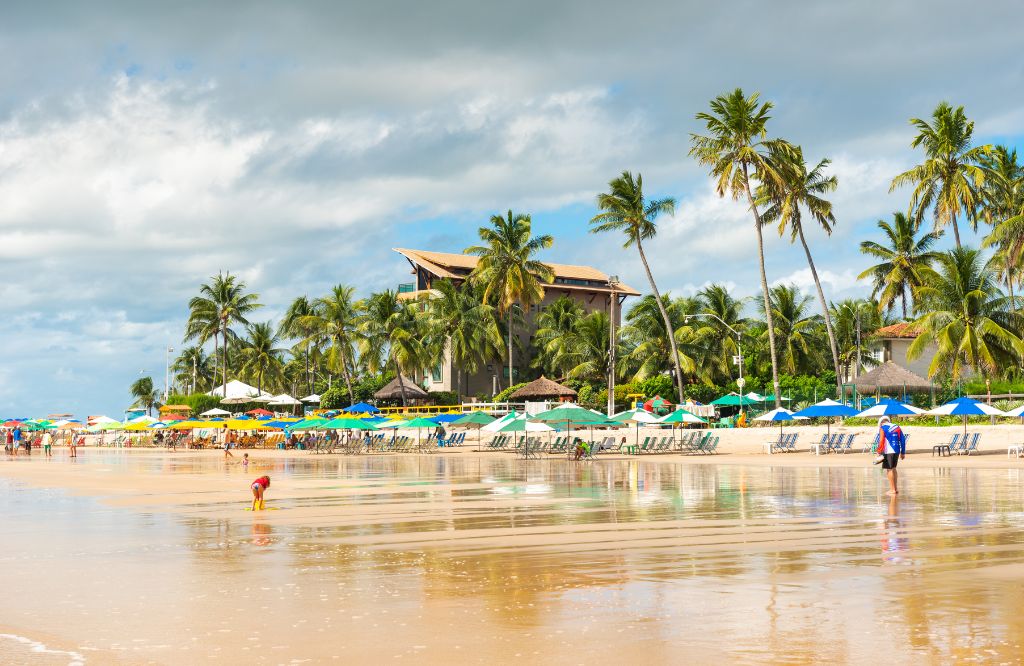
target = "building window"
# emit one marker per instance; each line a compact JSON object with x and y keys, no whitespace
{"x":435,"y":374}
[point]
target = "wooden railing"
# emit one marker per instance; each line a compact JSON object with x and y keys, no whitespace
{"x":496,"y":408}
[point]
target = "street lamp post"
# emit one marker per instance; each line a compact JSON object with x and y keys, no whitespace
{"x":167,"y":372}
{"x":613,"y":297}
{"x":739,"y":349}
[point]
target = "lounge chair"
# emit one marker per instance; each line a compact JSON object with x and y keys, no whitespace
{"x":972,"y":446}
{"x":1016,"y":449}
{"x":712,"y":446}
{"x":773,"y":445}
{"x":958,"y":444}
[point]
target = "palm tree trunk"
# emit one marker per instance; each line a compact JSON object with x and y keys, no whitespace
{"x":1009,"y":287}
{"x":510,"y":380}
{"x":401,"y":382}
{"x":348,"y":378}
{"x":764,"y":290}
{"x":309,"y":378}
{"x":224,"y":334}
{"x":824,"y":310}
{"x":669,"y":331}
{"x":216,"y":355}
{"x":903,"y":298}
{"x":956,"y":230}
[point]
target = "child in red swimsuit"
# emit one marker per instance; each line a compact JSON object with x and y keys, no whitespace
{"x":259,"y":486}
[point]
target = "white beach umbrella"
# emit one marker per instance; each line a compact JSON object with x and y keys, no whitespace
{"x":283,"y":399}
{"x":216,"y":411}
{"x":496,"y":425}
{"x":236,"y":393}
{"x":1016,"y":412}
{"x":314,"y":398}
{"x":891,"y":408}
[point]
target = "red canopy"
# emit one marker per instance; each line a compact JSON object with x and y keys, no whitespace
{"x":259,"y":412}
{"x":12,"y":424}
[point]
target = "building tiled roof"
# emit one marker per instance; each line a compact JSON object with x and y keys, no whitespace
{"x":456,"y":266}
{"x":901,"y":330}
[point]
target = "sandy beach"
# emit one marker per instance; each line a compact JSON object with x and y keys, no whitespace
{"x":147,"y":556}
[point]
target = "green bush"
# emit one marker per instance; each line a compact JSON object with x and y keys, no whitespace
{"x":365,"y":387}
{"x":502,"y":396}
{"x":443,"y":398}
{"x":334,"y":398}
{"x":197,"y":402}
{"x":657,"y":385}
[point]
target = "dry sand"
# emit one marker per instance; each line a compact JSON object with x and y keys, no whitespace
{"x":146,"y":556}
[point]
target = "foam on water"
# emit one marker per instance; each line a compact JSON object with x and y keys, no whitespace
{"x":16,"y":649}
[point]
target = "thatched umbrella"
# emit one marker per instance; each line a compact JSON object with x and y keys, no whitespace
{"x":891,"y":377}
{"x":393,"y":390}
{"x":544,"y":389}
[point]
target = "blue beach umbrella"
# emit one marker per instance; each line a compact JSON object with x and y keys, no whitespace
{"x":361,"y":408}
{"x":965,"y":407}
{"x":780,"y":416}
{"x":827,"y":409}
{"x":890,"y":407}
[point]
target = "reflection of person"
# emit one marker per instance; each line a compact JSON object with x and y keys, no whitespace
{"x":259,"y":486}
{"x":892,"y":446}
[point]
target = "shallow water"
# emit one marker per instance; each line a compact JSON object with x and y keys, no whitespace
{"x":481,"y":559}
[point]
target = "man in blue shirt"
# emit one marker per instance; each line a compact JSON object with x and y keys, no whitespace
{"x":892,"y":445}
{"x":17,"y":440}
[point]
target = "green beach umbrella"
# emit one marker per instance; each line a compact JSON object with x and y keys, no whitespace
{"x":312,"y":423}
{"x":733,"y":400}
{"x":681,"y":416}
{"x":348,"y":423}
{"x":474,"y":418}
{"x":419,"y":423}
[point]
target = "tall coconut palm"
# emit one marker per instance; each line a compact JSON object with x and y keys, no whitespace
{"x":737,"y":152}
{"x":586,"y":350}
{"x":460,"y":324}
{"x":716,"y":300}
{"x":906,"y":261}
{"x":507,"y":269}
{"x":799,"y":330}
{"x":798,"y":190}
{"x":968,"y":319}
{"x":294,"y":325}
{"x":556,"y":326}
{"x":624,"y":209}
{"x":192,"y":368}
{"x":259,"y":355}
{"x":144,"y":393}
{"x":1004,"y":209}
{"x":333,"y":321}
{"x":950,"y":179}
{"x":855,"y":321}
{"x":390,"y":335}
{"x":225,"y":301}
{"x":649,"y":344}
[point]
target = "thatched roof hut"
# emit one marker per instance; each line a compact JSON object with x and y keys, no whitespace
{"x":891,"y":377}
{"x":393,"y":390}
{"x":543,"y":389}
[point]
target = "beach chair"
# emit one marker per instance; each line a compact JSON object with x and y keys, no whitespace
{"x":1016,"y":450}
{"x":712,"y":446}
{"x":794,"y":438}
{"x":773,"y":445}
{"x":958,"y":444}
{"x":972,"y":446}
{"x":849,"y":443}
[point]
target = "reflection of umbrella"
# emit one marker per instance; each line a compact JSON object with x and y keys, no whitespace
{"x":890,"y":407}
{"x":965,"y":407}
{"x":827,"y":409}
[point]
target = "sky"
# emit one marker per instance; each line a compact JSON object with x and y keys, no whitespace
{"x":145,"y":147}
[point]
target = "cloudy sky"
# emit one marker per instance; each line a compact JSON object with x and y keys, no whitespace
{"x":295,"y":144}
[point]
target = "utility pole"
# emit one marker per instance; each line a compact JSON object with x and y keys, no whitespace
{"x":856,"y":371}
{"x":613,"y":297}
{"x":167,"y":372}
{"x":194,"y":373}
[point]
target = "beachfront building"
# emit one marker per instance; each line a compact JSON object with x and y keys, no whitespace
{"x":890,"y":343}
{"x":593,"y":289}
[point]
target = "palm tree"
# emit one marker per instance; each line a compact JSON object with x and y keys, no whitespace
{"x":192,"y":368}
{"x":968,"y":319}
{"x":556,"y":325}
{"x":648,"y":346}
{"x":460,"y":324}
{"x":906,"y":261}
{"x":224,"y":302}
{"x":950,"y":179}
{"x":716,"y":300}
{"x":259,"y":356}
{"x":507,"y":270}
{"x":855,"y":321}
{"x":293,"y":326}
{"x":144,"y":393}
{"x":736,"y":151}
{"x":625,"y":209}
{"x":586,"y":352}
{"x":390,"y":335}
{"x":803,"y":189}
{"x":1003,"y":197}
{"x":332,"y":320}
{"x":799,"y":331}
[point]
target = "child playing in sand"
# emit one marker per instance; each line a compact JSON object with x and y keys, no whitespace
{"x":259,"y":486}
{"x":245,"y":461}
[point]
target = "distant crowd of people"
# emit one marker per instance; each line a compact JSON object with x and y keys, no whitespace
{"x":17,"y":440}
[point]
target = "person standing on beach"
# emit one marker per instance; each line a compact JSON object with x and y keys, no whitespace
{"x":17,"y":440}
{"x":9,"y":446}
{"x":73,"y":442}
{"x":892,"y":446}
{"x":47,"y":445}
{"x":228,"y":439}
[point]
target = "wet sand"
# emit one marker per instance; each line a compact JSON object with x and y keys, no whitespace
{"x":143,"y":556}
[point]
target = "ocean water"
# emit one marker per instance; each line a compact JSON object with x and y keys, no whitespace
{"x":472,"y":559}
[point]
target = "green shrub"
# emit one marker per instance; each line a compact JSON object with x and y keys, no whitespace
{"x":657,"y":385}
{"x":334,"y":398}
{"x":443,"y":398}
{"x":197,"y":402}
{"x":502,"y":396}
